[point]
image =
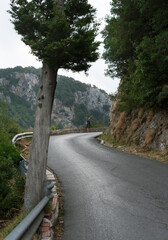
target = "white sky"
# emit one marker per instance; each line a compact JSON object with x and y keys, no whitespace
{"x":13,"y":52}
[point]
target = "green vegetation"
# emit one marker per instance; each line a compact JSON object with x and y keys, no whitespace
{"x":98,"y":119}
{"x":80,"y":114}
{"x":60,"y":37}
{"x":11,"y":225}
{"x":108,"y":139}
{"x":33,"y":70}
{"x":7,"y":125}
{"x":66,"y":89}
{"x":136,"y":49}
{"x":21,"y":111}
{"x":56,"y":127}
{"x":12,"y":185}
{"x":8,"y":73}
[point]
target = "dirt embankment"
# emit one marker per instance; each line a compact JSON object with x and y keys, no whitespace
{"x":141,"y":132}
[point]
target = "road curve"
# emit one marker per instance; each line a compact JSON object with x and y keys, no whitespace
{"x":109,"y":195}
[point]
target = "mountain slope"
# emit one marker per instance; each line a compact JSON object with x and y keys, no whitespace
{"x":74,"y":101}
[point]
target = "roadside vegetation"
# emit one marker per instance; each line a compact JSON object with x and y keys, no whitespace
{"x":132,"y":148}
{"x":136,"y":50}
{"x":11,"y":184}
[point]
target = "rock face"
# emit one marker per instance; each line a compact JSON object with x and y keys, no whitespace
{"x":146,"y":129}
{"x":25,"y":86}
{"x":62,"y":114}
{"x":93,"y":99}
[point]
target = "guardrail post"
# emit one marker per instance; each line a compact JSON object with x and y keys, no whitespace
{"x":48,"y":185}
{"x":23,"y":167}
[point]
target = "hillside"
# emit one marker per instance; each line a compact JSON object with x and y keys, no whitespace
{"x":74,"y":101}
{"x":136,"y":50}
{"x":141,"y":128}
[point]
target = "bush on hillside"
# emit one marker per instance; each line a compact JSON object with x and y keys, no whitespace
{"x":163,"y":97}
{"x":11,"y":184}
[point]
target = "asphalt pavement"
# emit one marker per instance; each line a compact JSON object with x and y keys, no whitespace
{"x":108,"y":194}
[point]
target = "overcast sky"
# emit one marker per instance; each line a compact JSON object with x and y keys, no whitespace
{"x":13,"y":52}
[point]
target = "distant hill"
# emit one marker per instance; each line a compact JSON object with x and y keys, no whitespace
{"x":74,"y":101}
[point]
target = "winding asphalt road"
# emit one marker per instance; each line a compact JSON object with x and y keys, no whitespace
{"x":109,"y":195}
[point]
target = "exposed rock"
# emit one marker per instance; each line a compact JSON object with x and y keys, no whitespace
{"x":3,"y":82}
{"x":143,"y":128}
{"x":25,"y":85}
{"x":149,"y":137}
{"x":4,"y":98}
{"x":93,"y":98}
{"x":62,"y":114}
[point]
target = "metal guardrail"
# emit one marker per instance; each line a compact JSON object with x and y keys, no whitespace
{"x":76,"y":130}
{"x":23,"y":165}
{"x":20,"y":136}
{"x":29,"y":225}
{"x":22,"y":231}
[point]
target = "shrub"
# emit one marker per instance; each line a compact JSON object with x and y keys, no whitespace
{"x":163,"y":97}
{"x":11,"y":184}
{"x":53,"y":127}
{"x":12,"y":201}
{"x":8,"y":151}
{"x":80,"y":114}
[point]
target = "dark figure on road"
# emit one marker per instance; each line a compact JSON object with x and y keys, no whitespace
{"x":88,"y":124}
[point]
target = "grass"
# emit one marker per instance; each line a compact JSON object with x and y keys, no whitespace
{"x":11,"y":224}
{"x":109,"y":140}
{"x":24,"y":147}
{"x":48,"y":207}
{"x":161,"y":156}
{"x":62,"y":211}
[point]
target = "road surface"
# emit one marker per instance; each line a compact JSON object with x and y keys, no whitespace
{"x":108,"y":194}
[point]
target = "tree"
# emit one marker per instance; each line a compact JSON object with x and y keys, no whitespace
{"x":61,"y":33}
{"x":136,"y":50}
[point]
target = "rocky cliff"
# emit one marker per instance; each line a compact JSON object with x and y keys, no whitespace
{"x":146,"y":129}
{"x":92,"y":101}
{"x":74,"y":101}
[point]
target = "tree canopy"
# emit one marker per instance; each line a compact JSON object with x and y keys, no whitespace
{"x":61,"y":33}
{"x":61,"y":38}
{"x":136,"y":49}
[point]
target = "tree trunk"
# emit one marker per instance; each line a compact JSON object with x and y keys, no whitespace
{"x":39,"y":148}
